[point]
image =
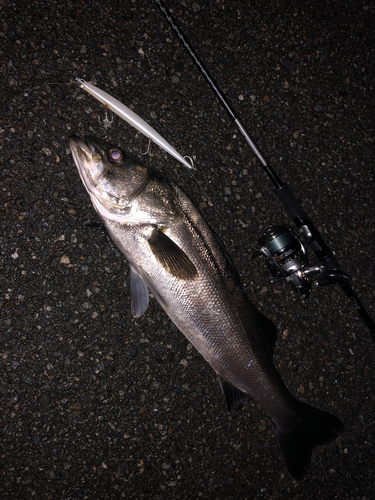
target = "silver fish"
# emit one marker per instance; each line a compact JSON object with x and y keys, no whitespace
{"x":173,"y":252}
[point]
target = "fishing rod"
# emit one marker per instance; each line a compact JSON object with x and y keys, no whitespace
{"x":283,"y":248}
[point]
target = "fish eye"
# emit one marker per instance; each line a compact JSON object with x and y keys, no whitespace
{"x":116,"y":156}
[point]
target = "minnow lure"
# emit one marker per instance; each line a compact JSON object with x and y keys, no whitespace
{"x":132,"y":118}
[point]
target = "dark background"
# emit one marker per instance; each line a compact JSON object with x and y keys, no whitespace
{"x":97,"y":405}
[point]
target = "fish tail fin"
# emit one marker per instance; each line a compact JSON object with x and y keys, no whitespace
{"x":314,"y":427}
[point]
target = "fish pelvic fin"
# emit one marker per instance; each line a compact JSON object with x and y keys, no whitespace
{"x":139,"y":293}
{"x":314,"y":427}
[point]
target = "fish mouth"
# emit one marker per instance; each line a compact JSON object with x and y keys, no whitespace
{"x":88,"y":161}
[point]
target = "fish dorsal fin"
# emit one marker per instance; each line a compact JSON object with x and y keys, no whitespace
{"x":229,"y":259}
{"x":232,"y":395}
{"x":269,"y":332}
{"x":139,"y":293}
{"x":171,"y":257}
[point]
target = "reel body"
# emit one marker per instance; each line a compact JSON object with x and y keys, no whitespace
{"x":287,"y":258}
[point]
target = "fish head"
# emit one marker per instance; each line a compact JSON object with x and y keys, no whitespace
{"x":122,"y":189}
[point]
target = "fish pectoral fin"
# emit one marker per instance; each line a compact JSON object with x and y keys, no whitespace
{"x":139,"y":294}
{"x":232,"y":395}
{"x":171,"y":257}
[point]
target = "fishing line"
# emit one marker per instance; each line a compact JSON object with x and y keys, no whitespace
{"x":203,"y":191}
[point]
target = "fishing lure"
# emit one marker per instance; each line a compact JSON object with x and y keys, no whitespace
{"x":132,"y":118}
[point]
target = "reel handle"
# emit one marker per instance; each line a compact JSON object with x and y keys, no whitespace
{"x":293,"y":207}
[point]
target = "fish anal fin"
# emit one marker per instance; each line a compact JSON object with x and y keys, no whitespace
{"x":171,"y":257}
{"x":139,"y":294}
{"x":232,"y":395}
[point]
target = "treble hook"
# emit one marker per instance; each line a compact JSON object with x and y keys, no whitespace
{"x":191,"y":161}
{"x":106,"y":122}
{"x":148,"y":148}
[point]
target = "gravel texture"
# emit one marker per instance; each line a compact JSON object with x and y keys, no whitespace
{"x":97,"y":405}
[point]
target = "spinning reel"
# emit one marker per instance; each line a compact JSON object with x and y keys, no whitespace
{"x":287,"y":259}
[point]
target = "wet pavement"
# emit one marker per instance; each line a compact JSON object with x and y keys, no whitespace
{"x":97,"y":405}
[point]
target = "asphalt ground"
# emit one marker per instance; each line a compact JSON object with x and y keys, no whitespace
{"x":97,"y":405}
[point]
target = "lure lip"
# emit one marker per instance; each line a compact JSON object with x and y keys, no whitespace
{"x":132,"y":118}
